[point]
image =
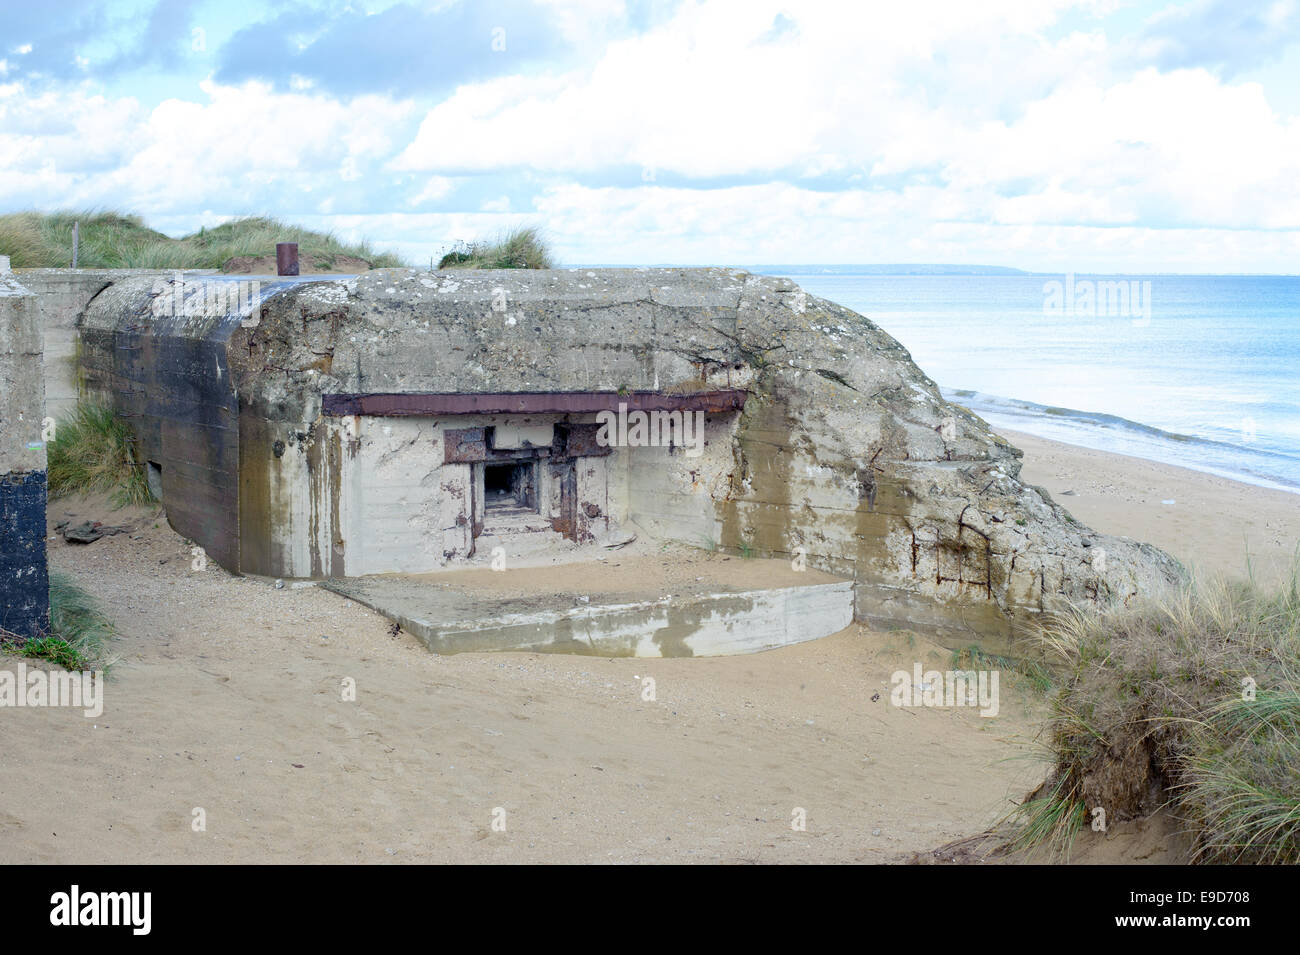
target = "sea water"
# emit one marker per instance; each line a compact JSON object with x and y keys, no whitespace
{"x":1201,"y":371}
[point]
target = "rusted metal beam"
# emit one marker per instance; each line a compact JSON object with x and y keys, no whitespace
{"x":529,"y":402}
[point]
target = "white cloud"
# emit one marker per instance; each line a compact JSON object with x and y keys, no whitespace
{"x":435,"y":189}
{"x":783,"y":223}
{"x":970,"y":97}
{"x":815,"y":131}
{"x":241,"y":147}
{"x":706,"y":95}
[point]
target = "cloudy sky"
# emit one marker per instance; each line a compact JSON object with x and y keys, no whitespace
{"x":1051,"y":135}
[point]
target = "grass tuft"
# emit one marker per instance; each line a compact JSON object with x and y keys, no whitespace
{"x":1039,"y":676}
{"x":79,"y":631}
{"x":522,"y":248}
{"x":93,"y":450}
{"x":1050,"y":819}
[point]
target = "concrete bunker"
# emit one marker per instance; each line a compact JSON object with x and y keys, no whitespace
{"x":396,"y":421}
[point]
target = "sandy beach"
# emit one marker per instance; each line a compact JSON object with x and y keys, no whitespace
{"x":228,"y":699}
{"x":1212,"y":524}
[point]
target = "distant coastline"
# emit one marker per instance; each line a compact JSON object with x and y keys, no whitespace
{"x":919,"y":268}
{"x":815,"y":269}
{"x":980,"y":270}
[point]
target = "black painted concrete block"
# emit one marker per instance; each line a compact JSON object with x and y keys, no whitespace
{"x":24,"y":569}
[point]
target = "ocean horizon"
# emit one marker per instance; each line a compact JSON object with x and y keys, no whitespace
{"x":1200,"y":371}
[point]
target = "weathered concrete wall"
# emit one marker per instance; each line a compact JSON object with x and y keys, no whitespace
{"x":24,"y":574}
{"x":368,"y":495}
{"x":674,"y":495}
{"x":168,"y":375}
{"x":61,"y":297}
{"x":845,"y":451}
{"x":161,"y":357}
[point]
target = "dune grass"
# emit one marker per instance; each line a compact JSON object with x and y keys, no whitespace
{"x":93,"y":450}
{"x":117,"y":241}
{"x":79,"y":633}
{"x":522,"y":248}
{"x":79,"y":626}
{"x":1190,"y":702}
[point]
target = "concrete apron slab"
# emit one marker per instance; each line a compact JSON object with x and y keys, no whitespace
{"x":697,"y":624}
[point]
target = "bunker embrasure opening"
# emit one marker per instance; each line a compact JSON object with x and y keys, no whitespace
{"x":509,"y":486}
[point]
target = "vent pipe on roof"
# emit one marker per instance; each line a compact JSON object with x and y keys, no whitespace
{"x":286,"y":258}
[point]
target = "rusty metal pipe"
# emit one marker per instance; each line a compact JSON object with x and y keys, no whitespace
{"x":286,"y":258}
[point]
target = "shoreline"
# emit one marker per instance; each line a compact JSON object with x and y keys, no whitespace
{"x":1214,"y":525}
{"x":1102,"y":431}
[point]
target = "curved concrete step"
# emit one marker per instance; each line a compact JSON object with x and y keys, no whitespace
{"x":710,"y":620}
